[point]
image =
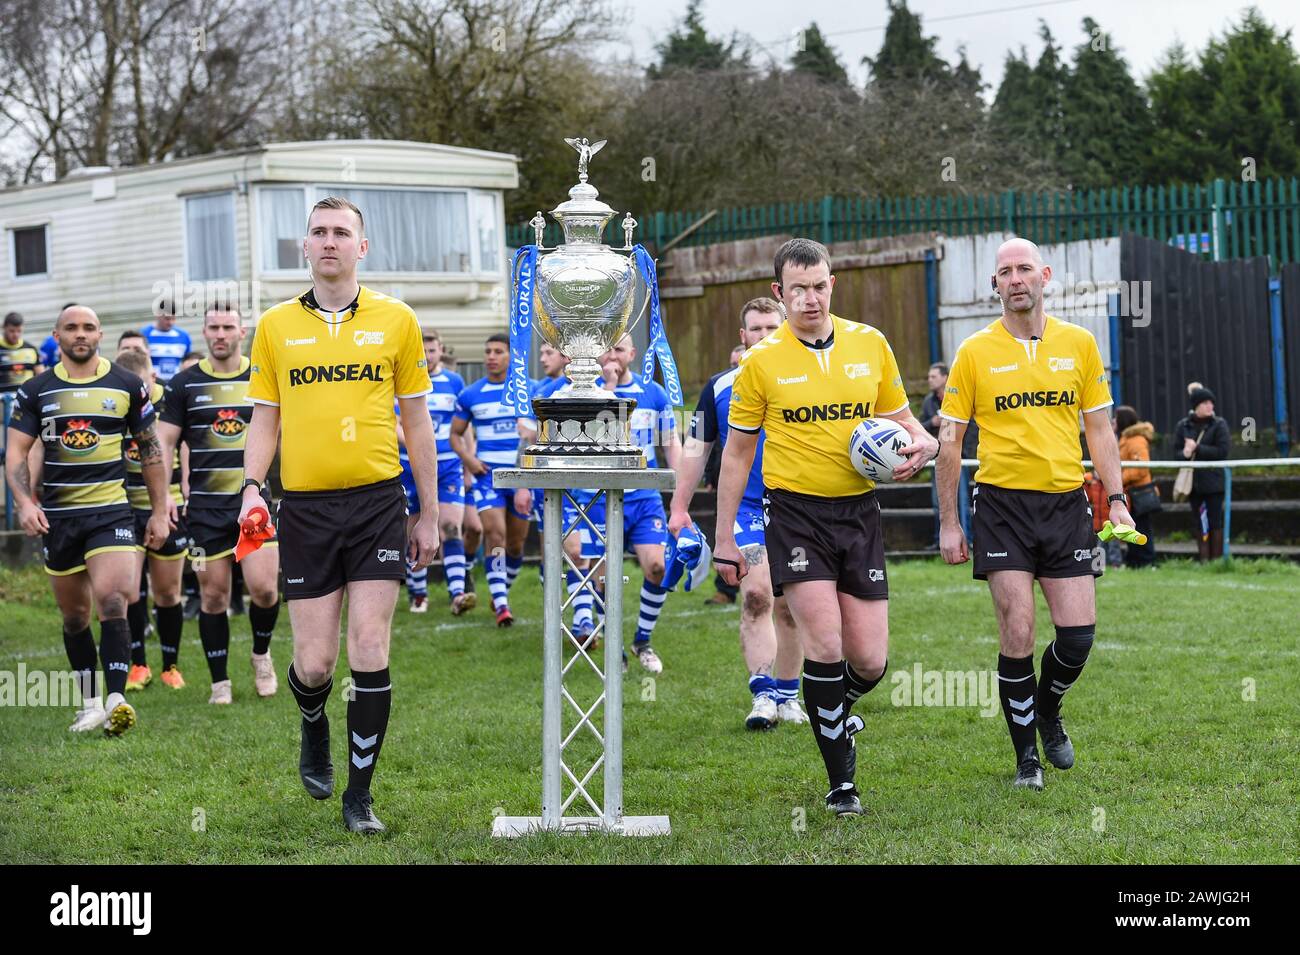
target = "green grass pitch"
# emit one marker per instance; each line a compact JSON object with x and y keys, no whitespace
{"x":1185,"y":723}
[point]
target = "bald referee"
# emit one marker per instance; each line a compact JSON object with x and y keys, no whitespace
{"x":1024,"y":380}
{"x":326,"y":369}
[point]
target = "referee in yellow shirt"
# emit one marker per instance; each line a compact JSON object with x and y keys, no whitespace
{"x":1025,"y":379}
{"x":326,"y":368}
{"x":806,"y":386}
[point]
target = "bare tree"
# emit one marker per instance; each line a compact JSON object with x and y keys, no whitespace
{"x":509,"y":75}
{"x":99,"y":82}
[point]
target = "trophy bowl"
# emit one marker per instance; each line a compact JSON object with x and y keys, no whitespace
{"x":584,"y":294}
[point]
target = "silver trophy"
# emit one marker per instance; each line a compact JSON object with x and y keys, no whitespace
{"x":583,"y":296}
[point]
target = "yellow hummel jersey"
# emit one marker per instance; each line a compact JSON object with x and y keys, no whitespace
{"x":334,"y":377}
{"x":1026,"y":397}
{"x":808,"y":400}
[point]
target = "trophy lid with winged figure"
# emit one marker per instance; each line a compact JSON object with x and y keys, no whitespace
{"x":585,"y":150}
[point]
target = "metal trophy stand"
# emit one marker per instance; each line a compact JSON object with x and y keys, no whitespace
{"x":559,"y":643}
{"x":580,"y":296}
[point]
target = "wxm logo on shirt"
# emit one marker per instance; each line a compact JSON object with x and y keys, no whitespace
{"x":368,"y":338}
{"x":1060,"y":364}
{"x":858,"y":370}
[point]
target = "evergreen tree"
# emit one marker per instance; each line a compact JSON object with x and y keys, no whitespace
{"x":1047,"y":92}
{"x":689,"y":47}
{"x":1027,"y":114}
{"x":1253,"y":79}
{"x":1178,"y":152}
{"x":1105,"y":115}
{"x":817,"y":59}
{"x":906,"y":53}
{"x":1241,"y":102}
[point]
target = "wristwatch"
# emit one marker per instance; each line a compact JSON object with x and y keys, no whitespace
{"x":1116,"y":497}
{"x":251,"y":482}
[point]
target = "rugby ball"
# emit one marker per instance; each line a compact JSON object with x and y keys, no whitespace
{"x":875,"y":448}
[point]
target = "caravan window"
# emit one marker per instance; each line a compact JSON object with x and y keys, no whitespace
{"x":30,"y":254}
{"x":210,"y":237}
{"x":283,"y":223}
{"x":487,"y":219}
{"x":415,"y":230}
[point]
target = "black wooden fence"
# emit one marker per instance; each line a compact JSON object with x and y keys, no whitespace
{"x":1207,"y":322}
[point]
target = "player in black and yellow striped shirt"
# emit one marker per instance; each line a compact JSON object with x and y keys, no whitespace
{"x":1025,"y":380}
{"x":165,"y":562}
{"x":207,"y":407}
{"x":82,"y":410}
{"x":19,"y":361}
{"x":327,"y":367}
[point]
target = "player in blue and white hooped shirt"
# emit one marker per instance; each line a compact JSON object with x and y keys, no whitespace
{"x":168,"y":345}
{"x":769,"y":641}
{"x":645,"y":525}
{"x":503,"y":512}
{"x":447,"y":386}
{"x":553,"y":363}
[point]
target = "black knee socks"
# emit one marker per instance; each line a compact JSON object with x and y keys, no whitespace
{"x":367,"y":724}
{"x":171,"y":620}
{"x":115,"y":653}
{"x":1017,"y":688}
{"x":1063,"y":662}
{"x":262,"y":620}
{"x":857,"y":686}
{"x":137,"y":618}
{"x":214,"y":632}
{"x":823,"y":691}
{"x":81,"y":657}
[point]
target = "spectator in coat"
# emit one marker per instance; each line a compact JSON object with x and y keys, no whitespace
{"x":1135,"y":439}
{"x":1204,"y":436}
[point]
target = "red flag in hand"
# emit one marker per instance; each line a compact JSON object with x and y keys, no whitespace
{"x":254,"y":532}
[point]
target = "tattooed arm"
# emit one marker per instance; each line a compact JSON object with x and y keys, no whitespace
{"x":156,"y":473}
{"x":19,"y":475}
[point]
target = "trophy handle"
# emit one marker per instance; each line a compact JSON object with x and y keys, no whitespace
{"x":645,"y":304}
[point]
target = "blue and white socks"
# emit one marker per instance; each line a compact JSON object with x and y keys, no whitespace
{"x":453,"y":565}
{"x":497,"y":581}
{"x":581,"y":603}
{"x":652,"y":603}
{"x":761,"y":684}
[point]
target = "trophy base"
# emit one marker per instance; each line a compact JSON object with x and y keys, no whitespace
{"x":583,"y":433}
{"x":563,"y":456}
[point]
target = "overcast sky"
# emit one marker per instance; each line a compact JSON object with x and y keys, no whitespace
{"x":1143,"y":29}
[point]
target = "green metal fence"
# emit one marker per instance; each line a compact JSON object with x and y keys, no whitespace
{"x":1224,"y":219}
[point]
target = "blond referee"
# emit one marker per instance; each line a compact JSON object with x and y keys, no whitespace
{"x":326,"y":367}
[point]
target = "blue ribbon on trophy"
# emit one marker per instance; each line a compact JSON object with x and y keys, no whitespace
{"x":658,"y":348}
{"x":518,"y":390}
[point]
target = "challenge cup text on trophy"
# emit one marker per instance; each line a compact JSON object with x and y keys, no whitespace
{"x":583,"y":294}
